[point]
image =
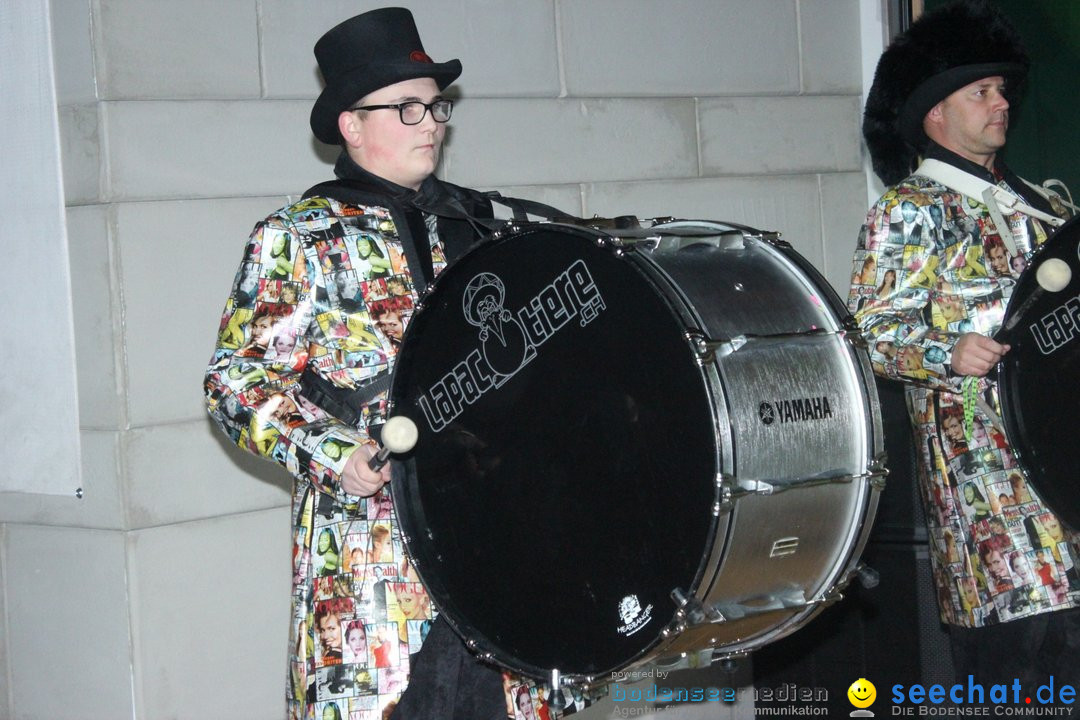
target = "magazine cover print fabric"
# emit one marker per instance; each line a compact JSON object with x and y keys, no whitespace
{"x":928,"y":268}
{"x":326,"y":285}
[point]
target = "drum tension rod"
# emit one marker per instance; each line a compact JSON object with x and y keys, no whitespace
{"x":709,"y":350}
{"x":789,"y":599}
{"x":743,"y":486}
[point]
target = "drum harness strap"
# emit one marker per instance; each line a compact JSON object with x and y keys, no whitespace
{"x":995,"y":197}
{"x":997,"y":200}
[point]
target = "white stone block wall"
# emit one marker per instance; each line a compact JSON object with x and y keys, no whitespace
{"x":162,"y":593}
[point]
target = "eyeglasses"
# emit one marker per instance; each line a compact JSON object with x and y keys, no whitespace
{"x":414,"y":111}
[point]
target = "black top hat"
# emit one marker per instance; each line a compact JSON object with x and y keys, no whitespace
{"x":941,"y":52}
{"x":365,"y":53}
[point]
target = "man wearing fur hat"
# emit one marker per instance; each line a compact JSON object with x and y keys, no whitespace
{"x":385,"y":227}
{"x":935,"y":122}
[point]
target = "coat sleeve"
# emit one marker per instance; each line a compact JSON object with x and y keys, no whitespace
{"x":263,"y":344}
{"x":893,"y":295}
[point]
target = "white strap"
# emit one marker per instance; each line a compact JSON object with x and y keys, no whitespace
{"x":975,"y":187}
{"x":1002,"y":226}
{"x":1052,"y":195}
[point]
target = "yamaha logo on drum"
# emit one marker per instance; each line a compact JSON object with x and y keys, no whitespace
{"x":508,"y":340}
{"x":794,"y":410}
{"x":633,"y":616}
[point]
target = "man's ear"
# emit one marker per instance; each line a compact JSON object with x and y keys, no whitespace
{"x":349,"y":127}
{"x":933,"y":119}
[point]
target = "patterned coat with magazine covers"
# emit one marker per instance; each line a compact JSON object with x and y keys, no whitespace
{"x":929,"y":267}
{"x":316,"y":279}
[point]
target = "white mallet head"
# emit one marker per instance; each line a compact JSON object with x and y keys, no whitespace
{"x":399,"y":434}
{"x":1053,"y":275}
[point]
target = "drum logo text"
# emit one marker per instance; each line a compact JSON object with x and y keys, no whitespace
{"x":1056,"y":328}
{"x":508,"y":341}
{"x":633,"y":616}
{"x":794,"y":410}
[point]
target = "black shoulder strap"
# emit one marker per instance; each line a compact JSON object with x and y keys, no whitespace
{"x":359,"y":192}
{"x":455,"y":203}
{"x":522,"y":208}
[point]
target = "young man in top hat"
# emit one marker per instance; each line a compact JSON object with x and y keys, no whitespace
{"x":385,"y":227}
{"x":941,"y":95}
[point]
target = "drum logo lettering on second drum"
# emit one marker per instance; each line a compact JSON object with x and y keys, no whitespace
{"x":1056,"y":328}
{"x":508,"y":341}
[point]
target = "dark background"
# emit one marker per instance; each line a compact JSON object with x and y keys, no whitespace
{"x":891,"y":633}
{"x":1044,"y":136}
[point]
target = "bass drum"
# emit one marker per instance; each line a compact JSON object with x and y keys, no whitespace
{"x":633,"y":446}
{"x":1039,"y":378}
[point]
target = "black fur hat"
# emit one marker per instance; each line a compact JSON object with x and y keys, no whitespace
{"x":941,"y":52}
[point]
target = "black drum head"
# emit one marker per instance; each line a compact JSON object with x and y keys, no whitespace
{"x":1039,"y":378}
{"x":563,"y":482}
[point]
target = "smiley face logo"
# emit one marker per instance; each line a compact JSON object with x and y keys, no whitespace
{"x":862,"y":693}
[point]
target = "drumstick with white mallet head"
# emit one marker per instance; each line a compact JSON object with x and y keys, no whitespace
{"x":399,"y":435}
{"x":1052,"y":275}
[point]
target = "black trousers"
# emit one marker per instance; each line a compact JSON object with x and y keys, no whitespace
{"x":1030,"y":650}
{"x":447,"y":682}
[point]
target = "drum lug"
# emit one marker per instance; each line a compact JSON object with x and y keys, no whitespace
{"x":622,"y":247}
{"x":689,"y":608}
{"x":474,"y":648}
{"x":833,"y":595}
{"x":508,"y":228}
{"x":868,"y":578}
{"x":774,"y":239}
{"x":699,"y":344}
{"x":421,"y":299}
{"x":853,"y":334}
{"x":691,"y":611}
{"x":707,"y":350}
{"x":726,"y":501}
{"x":878,"y":473}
